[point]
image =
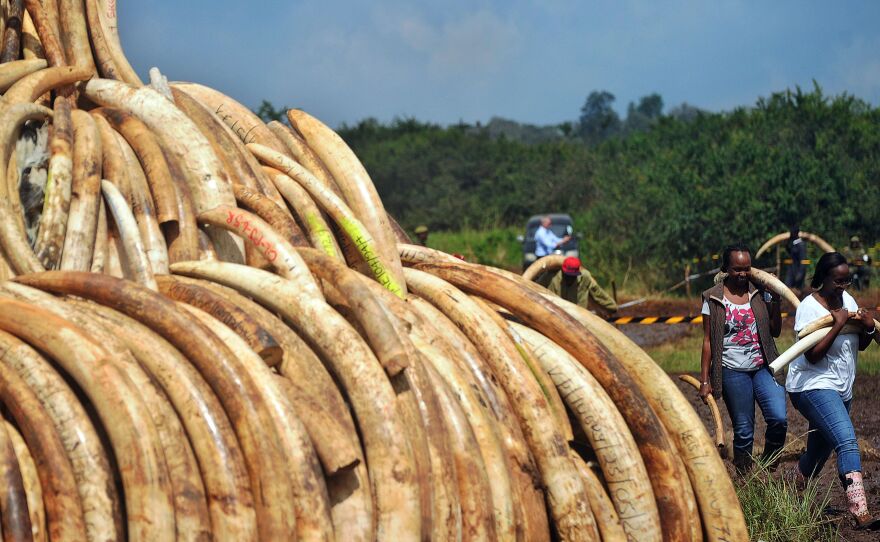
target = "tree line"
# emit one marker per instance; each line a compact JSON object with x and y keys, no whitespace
{"x":653,"y":188}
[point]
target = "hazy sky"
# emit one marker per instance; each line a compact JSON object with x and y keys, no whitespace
{"x":531,"y":61}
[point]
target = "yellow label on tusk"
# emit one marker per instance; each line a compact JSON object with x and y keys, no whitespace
{"x":325,"y":238}
{"x":364,"y":243}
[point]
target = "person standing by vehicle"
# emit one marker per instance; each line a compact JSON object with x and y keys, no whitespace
{"x":545,"y":240}
{"x":576,"y":285}
{"x":820,"y":382}
{"x":738,"y":330}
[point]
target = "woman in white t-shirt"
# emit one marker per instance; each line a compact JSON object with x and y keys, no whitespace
{"x":820,"y":382}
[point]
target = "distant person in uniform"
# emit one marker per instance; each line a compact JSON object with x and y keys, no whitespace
{"x":545,"y":240}
{"x":422,"y":235}
{"x":859,"y":263}
{"x":797,"y":251}
{"x":578,"y":286}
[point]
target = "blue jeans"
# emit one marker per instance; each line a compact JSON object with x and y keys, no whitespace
{"x":830,"y":429}
{"x":740,"y":390}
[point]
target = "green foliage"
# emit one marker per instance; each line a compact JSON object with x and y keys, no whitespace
{"x":598,"y":120}
{"x":267,"y":113}
{"x":776,"y":511}
{"x":684,"y":186}
{"x":497,"y":247}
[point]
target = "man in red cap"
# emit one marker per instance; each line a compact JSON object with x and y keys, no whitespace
{"x":577,"y":285}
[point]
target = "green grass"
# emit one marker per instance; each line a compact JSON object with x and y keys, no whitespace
{"x":683,"y":355}
{"x":495,"y":246}
{"x":776,"y":511}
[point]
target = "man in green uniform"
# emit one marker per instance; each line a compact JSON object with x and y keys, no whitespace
{"x":859,"y":263}
{"x":578,"y":286}
{"x":422,"y":235}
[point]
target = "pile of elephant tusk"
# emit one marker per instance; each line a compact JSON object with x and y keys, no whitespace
{"x":210,"y":329}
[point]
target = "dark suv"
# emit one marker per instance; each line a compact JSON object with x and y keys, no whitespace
{"x":561,"y":225}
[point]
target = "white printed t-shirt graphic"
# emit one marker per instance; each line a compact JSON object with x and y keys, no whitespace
{"x":742,"y":349}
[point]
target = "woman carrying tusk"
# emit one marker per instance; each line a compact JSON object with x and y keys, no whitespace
{"x":738,"y":331}
{"x":820,"y":383}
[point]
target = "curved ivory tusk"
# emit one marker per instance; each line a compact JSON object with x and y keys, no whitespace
{"x":713,"y":407}
{"x":283,"y":257}
{"x":553,"y":262}
{"x":136,"y":261}
{"x":14,"y":517}
{"x":603,"y":509}
{"x":266,"y":208}
{"x":213,"y":441}
{"x":152,"y":160}
{"x":323,"y":411}
{"x":56,"y":205}
{"x":106,"y":11}
{"x":74,"y":34}
{"x":389,"y":456}
{"x":31,"y":478}
{"x":45,"y":18}
{"x":613,"y":443}
{"x":243,"y":167}
{"x":12,"y":72}
{"x":123,"y":414}
{"x":101,"y":254}
{"x":807,"y":342}
{"x":31,"y":48}
{"x":258,"y":338}
{"x":241,"y":399}
{"x":34,"y":85}
{"x":88,"y":458}
{"x":310,"y":502}
{"x":383,"y":332}
{"x":82,"y":220}
{"x":203,"y":171}
{"x":529,"y":511}
{"x":104,"y":60}
{"x":187,"y":488}
{"x":302,"y":153}
{"x":143,"y":209}
{"x":566,"y":494}
{"x":63,"y":508}
{"x":548,"y":387}
{"x":309,"y":215}
{"x":12,"y":236}
{"x":541,"y":314}
{"x":11,"y":43}
{"x":340,"y":212}
{"x":819,"y":323}
{"x":242,"y":121}
{"x":486,"y":433}
{"x":767,"y":281}
{"x":776,"y":239}
{"x":38,"y":422}
{"x":355,"y":183}
{"x":708,"y":475}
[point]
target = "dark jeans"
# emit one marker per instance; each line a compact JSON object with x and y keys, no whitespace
{"x":830,"y":429}
{"x":740,"y":390}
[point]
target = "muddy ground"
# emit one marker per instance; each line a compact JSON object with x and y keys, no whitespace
{"x":865,"y":410}
{"x":866,"y":419}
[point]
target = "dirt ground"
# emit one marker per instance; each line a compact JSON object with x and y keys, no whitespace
{"x":865,"y":409}
{"x":866,"y":419}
